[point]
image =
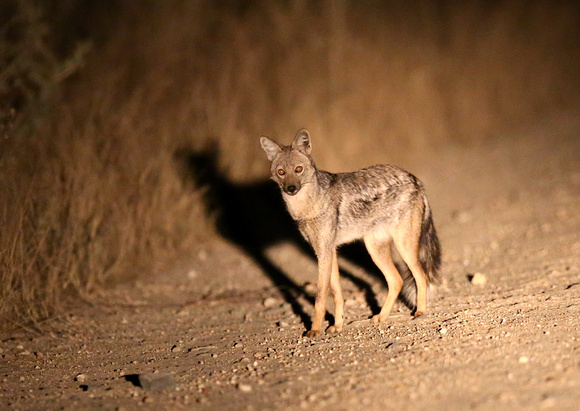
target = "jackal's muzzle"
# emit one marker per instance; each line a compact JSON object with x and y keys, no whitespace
{"x":291,"y":189}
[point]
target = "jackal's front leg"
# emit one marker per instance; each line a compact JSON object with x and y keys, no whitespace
{"x":337,"y":295}
{"x":324,"y":271}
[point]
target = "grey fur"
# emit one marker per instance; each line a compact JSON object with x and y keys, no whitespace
{"x":382,"y":205}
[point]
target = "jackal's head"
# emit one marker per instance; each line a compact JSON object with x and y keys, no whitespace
{"x":292,"y":167}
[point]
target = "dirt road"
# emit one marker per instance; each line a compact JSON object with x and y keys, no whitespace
{"x":219,"y":335}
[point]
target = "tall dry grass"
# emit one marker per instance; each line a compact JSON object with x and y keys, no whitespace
{"x":90,"y":185}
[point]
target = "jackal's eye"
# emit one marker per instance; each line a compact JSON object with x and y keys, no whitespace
{"x":299,"y":169}
{"x":281,"y":172}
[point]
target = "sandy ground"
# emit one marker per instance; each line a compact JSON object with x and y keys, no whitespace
{"x":219,"y":335}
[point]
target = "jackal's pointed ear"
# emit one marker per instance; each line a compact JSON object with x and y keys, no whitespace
{"x":271,"y":148}
{"x":302,"y":142}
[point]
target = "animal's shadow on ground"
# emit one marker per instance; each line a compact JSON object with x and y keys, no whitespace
{"x":253,"y":217}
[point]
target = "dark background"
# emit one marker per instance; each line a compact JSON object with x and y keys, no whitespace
{"x":101,"y":102}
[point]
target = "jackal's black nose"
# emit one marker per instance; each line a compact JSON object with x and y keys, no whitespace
{"x":291,"y":189}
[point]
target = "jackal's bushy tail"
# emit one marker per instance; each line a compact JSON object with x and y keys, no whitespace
{"x":429,"y":246}
{"x":429,"y":257}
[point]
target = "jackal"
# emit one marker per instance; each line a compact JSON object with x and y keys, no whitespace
{"x":381,"y":205}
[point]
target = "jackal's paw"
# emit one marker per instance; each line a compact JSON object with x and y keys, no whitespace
{"x":418,"y":314}
{"x":378,"y":319}
{"x":334,"y":329}
{"x":312,"y":333}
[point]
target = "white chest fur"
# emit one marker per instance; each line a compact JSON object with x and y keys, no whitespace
{"x":303,"y":205}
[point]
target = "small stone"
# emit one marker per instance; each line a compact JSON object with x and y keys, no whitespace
{"x":310,"y":289}
{"x":548,"y":403}
{"x":461,"y":216}
{"x":443,"y":330}
{"x":269,"y":302}
{"x":157,"y":382}
{"x":351,"y":302}
{"x":523,"y":360}
{"x":244,"y":387}
{"x":81,"y":378}
{"x":478,"y":279}
{"x":183,"y":311}
{"x":176,"y":348}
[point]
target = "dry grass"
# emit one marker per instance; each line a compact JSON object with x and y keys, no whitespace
{"x":92,"y":190}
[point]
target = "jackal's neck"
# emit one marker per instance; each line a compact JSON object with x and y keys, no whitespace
{"x":308,"y":202}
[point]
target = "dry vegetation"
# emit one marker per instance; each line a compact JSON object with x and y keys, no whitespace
{"x":95,"y":102}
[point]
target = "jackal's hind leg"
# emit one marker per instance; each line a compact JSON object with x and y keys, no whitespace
{"x":408,"y":248}
{"x":380,"y":252}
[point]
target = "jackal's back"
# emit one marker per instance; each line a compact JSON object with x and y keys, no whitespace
{"x":364,"y":199}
